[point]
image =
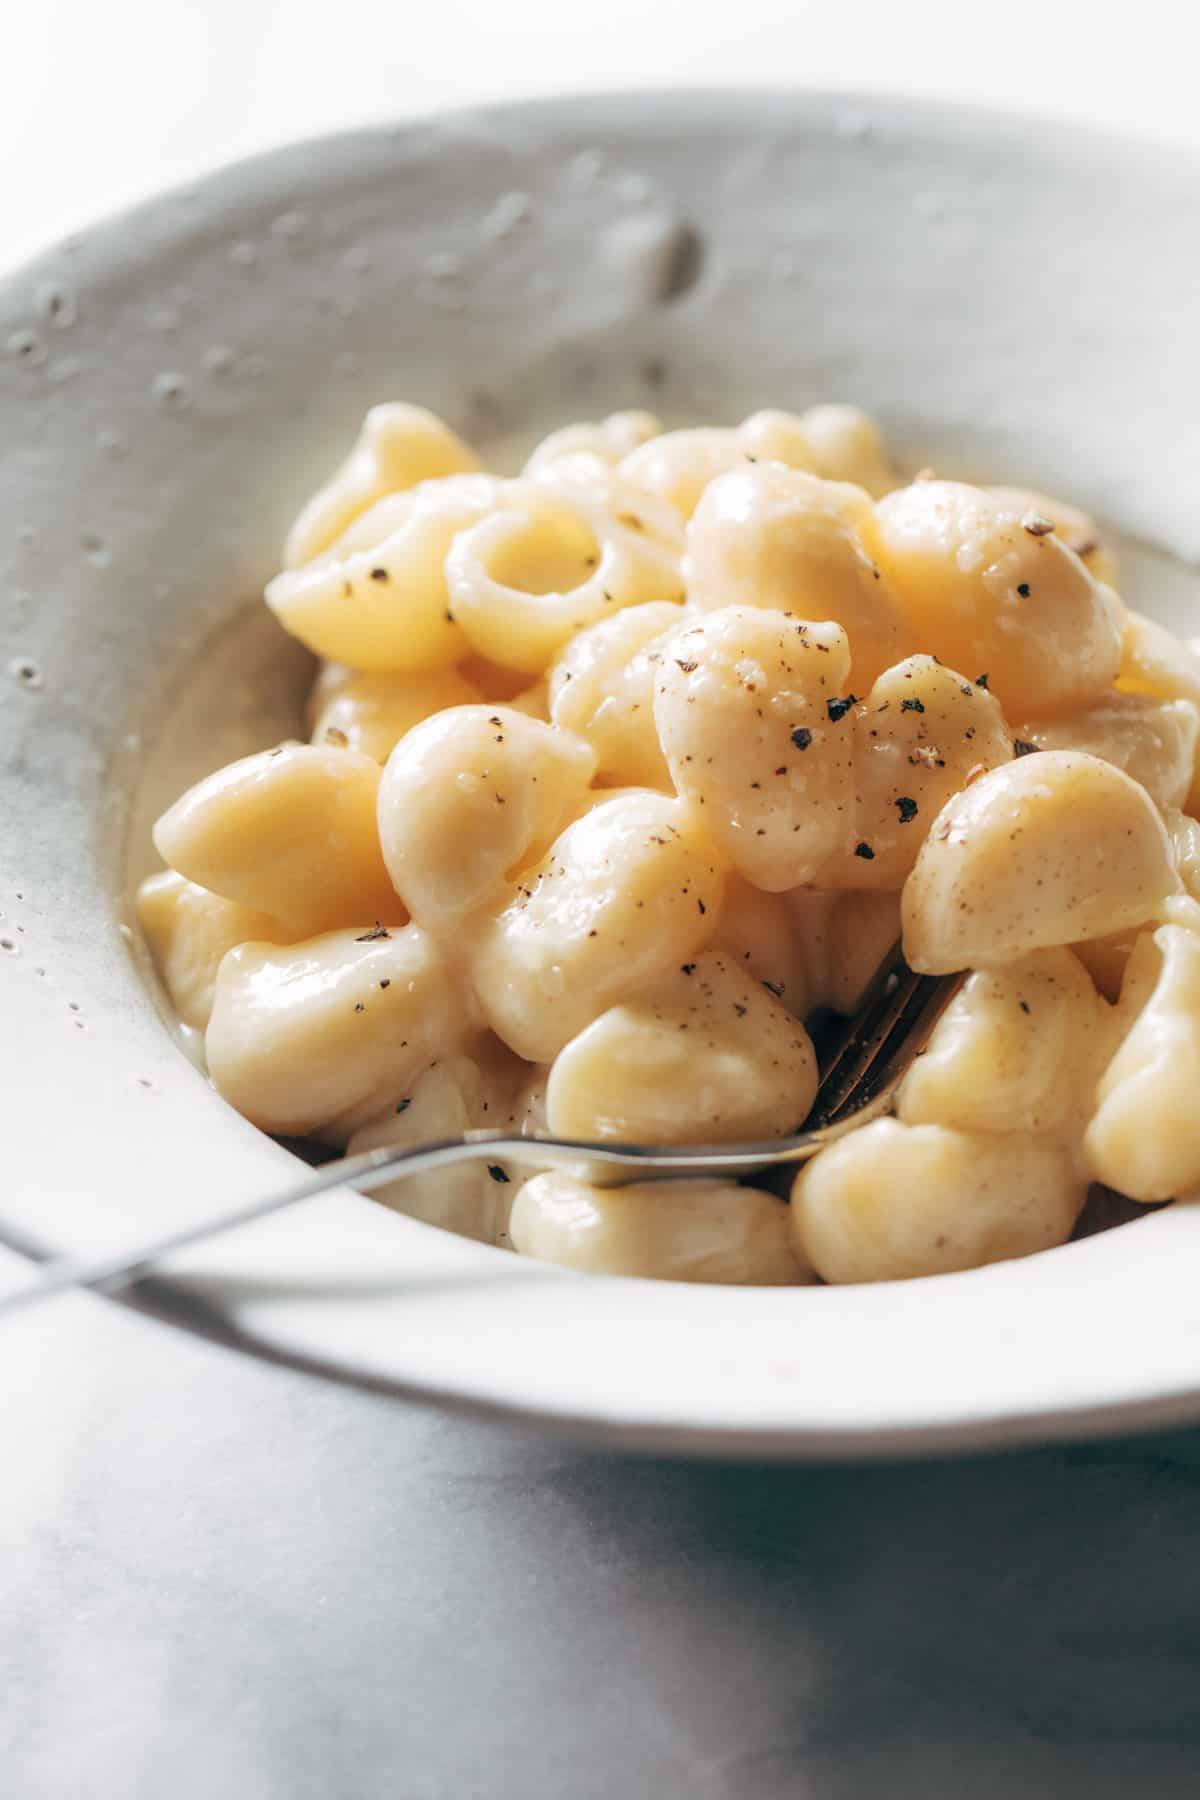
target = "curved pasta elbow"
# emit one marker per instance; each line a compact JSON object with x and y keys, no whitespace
{"x":1023,"y":860}
{"x":1144,"y":1136}
{"x":710,"y":1231}
{"x":705,"y":1055}
{"x":470,"y":796}
{"x":320,"y":1036}
{"x":892,"y":1202}
{"x":398,"y":447}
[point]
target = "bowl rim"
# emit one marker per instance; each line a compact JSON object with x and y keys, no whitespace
{"x":194,"y":1298}
{"x":967,"y":118}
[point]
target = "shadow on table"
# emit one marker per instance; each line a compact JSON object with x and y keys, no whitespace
{"x":1014,"y":1625}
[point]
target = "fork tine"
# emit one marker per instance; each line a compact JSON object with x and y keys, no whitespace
{"x":877,"y":1045}
{"x":843,"y":1039}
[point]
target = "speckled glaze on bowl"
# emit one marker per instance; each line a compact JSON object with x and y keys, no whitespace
{"x":1010,"y":298}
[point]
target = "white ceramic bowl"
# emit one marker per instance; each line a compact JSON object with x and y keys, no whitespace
{"x":1011,"y":299}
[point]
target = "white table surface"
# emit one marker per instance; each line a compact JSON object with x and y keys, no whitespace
{"x":225,"y":1577}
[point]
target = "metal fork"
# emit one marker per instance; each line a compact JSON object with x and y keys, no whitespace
{"x":862,"y":1061}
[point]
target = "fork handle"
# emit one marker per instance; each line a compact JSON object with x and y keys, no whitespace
{"x":109,"y":1273}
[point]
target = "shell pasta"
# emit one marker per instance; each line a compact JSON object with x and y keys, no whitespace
{"x":626,"y":769}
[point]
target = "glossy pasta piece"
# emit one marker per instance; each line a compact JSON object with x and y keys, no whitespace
{"x":843,"y":444}
{"x":922,"y":733}
{"x":705,"y":1055}
{"x":1106,"y":959}
{"x":760,"y":935}
{"x":534,"y":701}
{"x":1028,"y":858}
{"x":445,"y":1101}
{"x":891,"y":1202}
{"x":610,"y":439}
{"x":470,"y":796}
{"x":1077,"y":529}
{"x":839,"y":443}
{"x":764,"y":535}
{"x":842,"y":937}
{"x":1154,"y":661}
{"x":998,"y":597}
{"x":863,"y":929}
{"x":398,"y":447}
{"x":752,"y":713}
{"x":628,"y":891}
{"x":290,"y":832}
{"x":372,"y":713}
{"x":1153,"y":740}
{"x":323,"y":1035}
{"x":1144,"y":1137}
{"x":678,"y":466}
{"x":710,"y":1231}
{"x":602,"y":687}
{"x":1016,"y":1050}
{"x":378,"y":599}
{"x":1184,"y":833}
{"x":188,"y":930}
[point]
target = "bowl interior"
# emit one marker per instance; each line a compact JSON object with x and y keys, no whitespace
{"x":1010,"y":303}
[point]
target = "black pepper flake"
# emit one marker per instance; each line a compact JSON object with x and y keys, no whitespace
{"x":865,"y":851}
{"x":981,"y":681}
{"x":495,"y":719}
{"x":686,"y":666}
{"x":497,"y":1173}
{"x":1024,"y":1005}
{"x":837,"y":709}
{"x":739,"y":1009}
{"x":702,"y":907}
{"x":403,"y":1106}
{"x":373,"y":936}
{"x":782,"y":769}
{"x":913,"y":705}
{"x":687,"y":968}
{"x":774,"y":987}
{"x":359,"y":1007}
{"x":386,"y":982}
{"x":1023,"y":589}
{"x":907,"y":808}
{"x":380,"y":575}
{"x":802,"y":737}
{"x":1021,"y":747}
